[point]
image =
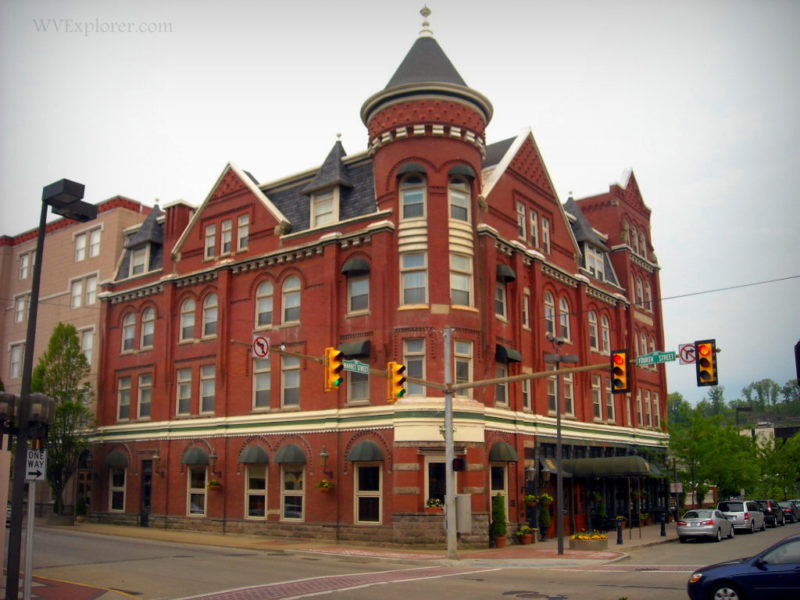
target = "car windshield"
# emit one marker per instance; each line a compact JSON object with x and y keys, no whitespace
{"x":785,"y":504}
{"x":731,"y":507}
{"x":697,"y":514}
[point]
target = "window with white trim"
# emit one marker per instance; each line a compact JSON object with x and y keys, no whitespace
{"x":148,"y":328}
{"x":76,"y":293}
{"x":458,"y":193}
{"x":20,"y":308}
{"x":26,"y":260}
{"x":501,"y":388}
{"x":183,"y":391}
{"x":414,"y":278}
{"x":145,"y":395}
{"x":138,"y":261}
{"x":291,"y":300}
{"x":208,"y":387}
{"x":83,"y":292}
{"x":116,"y":489}
{"x":292,"y":494}
{"x":128,"y":332}
{"x":188,"y":308}
{"x":549,"y":314}
{"x":94,"y":242}
{"x":605,"y":332}
{"x":526,"y":309}
{"x":657,"y":410}
{"x":597,"y":398}
{"x":412,"y":196}
{"x":552,"y":388}
{"x":463,"y":365}
{"x":526,"y":394}
{"x":594,"y":261}
{"x":648,"y":296}
{"x":648,"y":418}
{"x":256,"y":491}
{"x":569,"y":394}
{"x":262,"y":382}
{"x":414,"y":360}
{"x":546,"y":235}
{"x":243,"y":232}
{"x":563,"y":319}
{"x":521,"y":224}
{"x":593,"y":338}
{"x":639,"y":292}
{"x":264,"y":304}
{"x":357,"y":386}
{"x":638,"y":408}
{"x":290,"y":381}
{"x":15,"y":360}
{"x":368,"y":495}
{"x":460,"y":280}
{"x":610,"y":412}
{"x":226,"y":240}
{"x":124,"y":398}
{"x":87,"y":343}
{"x":323,"y":208}
{"x":210,"y":240}
{"x":196,"y":490}
{"x":358,"y":293}
{"x":210,"y":315}
{"x":80,"y":247}
{"x":500,"y":298}
{"x":533,"y":220}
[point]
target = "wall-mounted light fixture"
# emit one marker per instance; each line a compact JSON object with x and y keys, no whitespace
{"x":212,"y":463}
{"x":156,"y":458}
{"x":323,"y":458}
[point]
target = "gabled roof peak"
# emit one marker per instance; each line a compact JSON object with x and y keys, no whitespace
{"x":332,"y":172}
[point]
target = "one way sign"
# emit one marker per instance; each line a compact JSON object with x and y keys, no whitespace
{"x":36,"y":465}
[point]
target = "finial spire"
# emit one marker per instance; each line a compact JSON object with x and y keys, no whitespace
{"x":426,"y":27}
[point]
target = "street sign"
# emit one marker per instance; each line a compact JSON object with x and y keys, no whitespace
{"x":260,"y":346}
{"x":655,"y":358}
{"x":356,"y":366}
{"x":36,"y":465}
{"x":687,"y":353}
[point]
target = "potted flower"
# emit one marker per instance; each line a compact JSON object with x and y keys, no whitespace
{"x":434,"y":505}
{"x":525,"y":534}
{"x":326,"y":485}
{"x":597,"y":497}
{"x":643,"y":518}
{"x":214,"y":484}
{"x":544,"y":519}
{"x":530,"y":500}
{"x":588,"y":540}
{"x":499,"y":526}
{"x":546,"y":498}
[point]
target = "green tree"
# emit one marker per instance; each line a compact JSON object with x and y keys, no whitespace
{"x":61,"y":373}
{"x":679,"y":411}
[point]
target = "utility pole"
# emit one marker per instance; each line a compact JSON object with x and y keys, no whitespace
{"x":449,"y":450}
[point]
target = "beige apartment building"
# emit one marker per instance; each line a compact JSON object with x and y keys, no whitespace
{"x":78,"y":259}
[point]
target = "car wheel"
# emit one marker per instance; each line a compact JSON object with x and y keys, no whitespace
{"x":718,"y":537}
{"x":725,"y":591}
{"x":732,"y":533}
{"x":682,"y":540}
{"x":764,"y":526}
{"x":752,"y":526}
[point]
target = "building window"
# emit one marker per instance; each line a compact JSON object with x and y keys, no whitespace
{"x":210,"y":315}
{"x":414,"y":360}
{"x":549,"y":314}
{"x":463,"y":365}
{"x":412,"y":197}
{"x":15,"y":362}
{"x":648,"y":419}
{"x":648,"y":296}
{"x":291,"y":300}
{"x":460,"y":280}
{"x":124,"y":399}
{"x":594,"y":261}
{"x":243,"y":232}
{"x":368,"y":493}
{"x":526,"y":309}
{"x":521,"y":225}
{"x":546,"y":235}
{"x":358,"y":293}
{"x":264,"y":299}
{"x":500,"y":299}
{"x":638,"y":408}
{"x":552,"y":388}
{"x":128,"y":331}
{"x":597,"y":398}
{"x":533,"y":219}
{"x":87,"y":344}
{"x":184,"y":391}
{"x":610,"y":412}
{"x":94,"y":242}
{"x":76,"y":294}
{"x":208,"y":386}
{"x":639,"y":292}
{"x":323,"y":208}
{"x":226,"y":237}
{"x":196,"y":492}
{"x":458,"y":191}
{"x":656,"y":411}
{"x":563,"y":319}
{"x":357,"y":387}
{"x":290,"y":381}
{"x":605,"y":332}
{"x":256,"y":491}
{"x":210,"y":241}
{"x":80,"y":247}
{"x":498,"y":478}
{"x":501,"y":388}
{"x":145,"y":397}
{"x":148,"y":328}
{"x":25,"y":262}
{"x":138,"y":261}
{"x":593,"y":339}
{"x":292,"y":492}
{"x":116,"y":490}
{"x":526,"y":394}
{"x":187,"y":319}
{"x":569,"y":394}
{"x":20,"y":308}
{"x":414,"y":276}
{"x":262,"y":382}
{"x":436,"y":480}
{"x":83,"y":292}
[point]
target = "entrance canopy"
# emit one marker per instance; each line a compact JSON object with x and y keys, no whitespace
{"x":611,"y":466}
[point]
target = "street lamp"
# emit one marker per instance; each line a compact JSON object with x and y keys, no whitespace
{"x":64,"y":197}
{"x":559,"y":358}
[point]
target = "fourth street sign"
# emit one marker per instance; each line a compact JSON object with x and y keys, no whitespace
{"x":36,"y":465}
{"x":655,"y":357}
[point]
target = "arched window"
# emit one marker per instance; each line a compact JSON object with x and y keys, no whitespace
{"x":187,"y":319}
{"x":264,"y":304}
{"x":593,"y":338}
{"x":634,"y":239}
{"x":148,"y":328}
{"x":563,"y":319}
{"x":648,"y":296}
{"x":642,"y":244}
{"x":549,"y":314}
{"x":643,"y":343}
{"x":605,"y":332}
{"x":210,"y":315}
{"x":412,"y":196}
{"x":128,"y":331}
{"x":291,"y":299}
{"x":458,"y":192}
{"x":639,"y":292}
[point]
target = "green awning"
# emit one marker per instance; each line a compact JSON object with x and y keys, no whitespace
{"x":253,"y":455}
{"x":611,"y":466}
{"x":502,"y":452}
{"x":506,"y":354}
{"x":505,"y":273}
{"x":411,"y":167}
{"x":365,"y":451}
{"x":195,"y":456}
{"x":360,"y":348}
{"x":290,"y":454}
{"x":549,"y":465}
{"x":355,"y":266}
{"x":116,"y":459}
{"x":465,"y":170}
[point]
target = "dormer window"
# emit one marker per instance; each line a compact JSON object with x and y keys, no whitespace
{"x":594,"y":261}
{"x":138,"y":261}
{"x":323,"y":208}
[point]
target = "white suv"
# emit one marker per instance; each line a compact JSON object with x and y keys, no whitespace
{"x":743,"y":514}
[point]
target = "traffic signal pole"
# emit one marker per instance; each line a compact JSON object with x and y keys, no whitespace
{"x":449,"y":450}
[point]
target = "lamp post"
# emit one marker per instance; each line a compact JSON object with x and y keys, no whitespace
{"x":64,"y":197}
{"x":559,"y":358}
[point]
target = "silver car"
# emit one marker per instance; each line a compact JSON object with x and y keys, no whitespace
{"x":743,"y":514}
{"x":704,"y":523}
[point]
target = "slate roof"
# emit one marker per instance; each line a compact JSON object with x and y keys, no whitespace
{"x":496,"y":151}
{"x":151,"y":232}
{"x":332,"y":172}
{"x":583,"y":230}
{"x":425,"y":62}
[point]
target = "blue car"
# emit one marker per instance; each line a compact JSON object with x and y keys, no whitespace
{"x":773,"y":574}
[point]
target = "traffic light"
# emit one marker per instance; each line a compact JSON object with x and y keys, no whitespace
{"x":332,"y":363}
{"x":620,"y":383}
{"x":706,"y":362}
{"x":459,"y":464}
{"x":396,"y":381}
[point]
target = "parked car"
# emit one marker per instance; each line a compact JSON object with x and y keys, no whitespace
{"x":791,"y":511}
{"x":704,"y":523}
{"x":773,"y":573}
{"x":773,"y":514}
{"x":743,"y":514}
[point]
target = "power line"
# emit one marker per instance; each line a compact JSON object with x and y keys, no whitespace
{"x":733,"y":287}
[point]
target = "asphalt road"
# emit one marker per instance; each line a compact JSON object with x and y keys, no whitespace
{"x":165,"y":571}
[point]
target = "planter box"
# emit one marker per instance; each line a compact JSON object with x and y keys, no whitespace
{"x":588,"y":545}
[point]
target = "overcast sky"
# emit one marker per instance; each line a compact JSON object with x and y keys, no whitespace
{"x":700,"y":98}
